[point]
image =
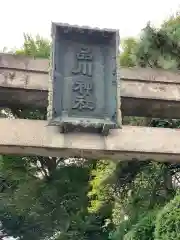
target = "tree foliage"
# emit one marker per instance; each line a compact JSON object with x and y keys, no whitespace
{"x":168,"y":221}
{"x":152,"y":187}
{"x":144,"y":229}
{"x":43,"y":197}
{"x":35,"y":47}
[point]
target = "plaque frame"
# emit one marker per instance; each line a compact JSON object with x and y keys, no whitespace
{"x":61,"y":80}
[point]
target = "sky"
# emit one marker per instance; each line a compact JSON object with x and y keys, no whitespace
{"x":35,"y":16}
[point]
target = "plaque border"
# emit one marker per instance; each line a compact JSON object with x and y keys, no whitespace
{"x":104,"y":124}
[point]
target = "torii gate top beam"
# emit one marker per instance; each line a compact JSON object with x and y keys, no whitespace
{"x":144,"y":92}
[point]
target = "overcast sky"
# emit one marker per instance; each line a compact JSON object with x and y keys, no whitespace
{"x":35,"y":16}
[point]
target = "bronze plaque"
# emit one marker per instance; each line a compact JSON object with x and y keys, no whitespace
{"x":84,"y":87}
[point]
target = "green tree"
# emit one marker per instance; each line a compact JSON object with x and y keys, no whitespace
{"x":41,"y":196}
{"x":168,"y":221}
{"x":44,"y":197}
{"x":151,"y":187}
{"x":128,"y":52}
{"x":35,"y":47}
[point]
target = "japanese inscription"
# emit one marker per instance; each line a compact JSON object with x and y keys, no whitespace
{"x":84,"y":99}
{"x":83,"y":88}
{"x":84,"y":62}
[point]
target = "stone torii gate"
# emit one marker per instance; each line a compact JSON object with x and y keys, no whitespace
{"x":143,"y":92}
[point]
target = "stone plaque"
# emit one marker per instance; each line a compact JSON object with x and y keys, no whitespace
{"x":84,"y":87}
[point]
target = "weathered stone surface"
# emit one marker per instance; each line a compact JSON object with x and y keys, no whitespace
{"x":144,"y":92}
{"x":24,"y":137}
{"x":84,"y":91}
